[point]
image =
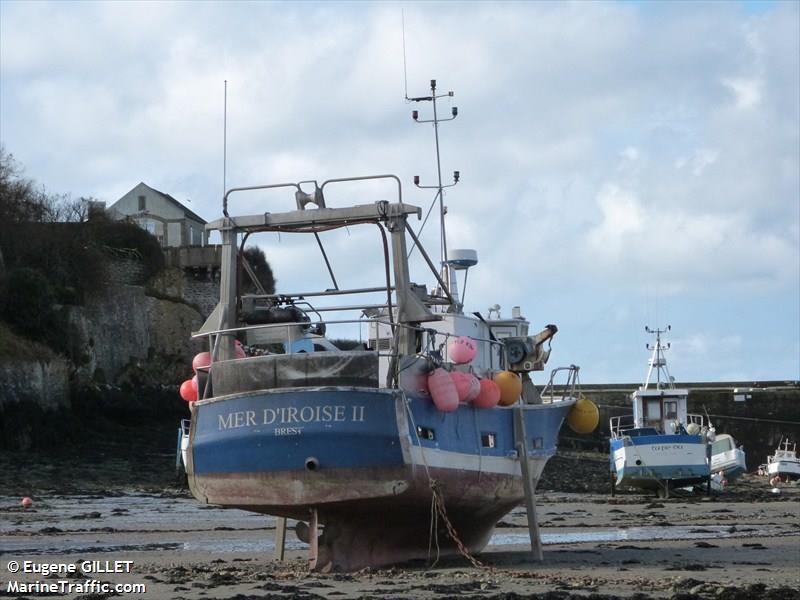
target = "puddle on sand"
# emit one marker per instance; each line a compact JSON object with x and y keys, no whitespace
{"x":630,"y":534}
{"x":34,"y":546}
{"x":129,"y":512}
{"x":162,"y":522}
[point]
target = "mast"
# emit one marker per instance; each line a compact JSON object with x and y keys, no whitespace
{"x":658,"y":361}
{"x":439,"y":198}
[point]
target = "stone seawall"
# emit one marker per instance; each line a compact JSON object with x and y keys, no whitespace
{"x":34,"y":398}
{"x":43,"y":382}
{"x":126,"y":336}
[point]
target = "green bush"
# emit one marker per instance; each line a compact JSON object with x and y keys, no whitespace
{"x":258,"y":261}
{"x":128,"y":238}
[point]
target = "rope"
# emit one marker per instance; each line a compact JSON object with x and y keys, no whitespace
{"x":438,"y":509}
{"x":438,"y":501}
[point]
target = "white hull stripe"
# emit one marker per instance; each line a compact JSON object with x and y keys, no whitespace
{"x":471,"y":462}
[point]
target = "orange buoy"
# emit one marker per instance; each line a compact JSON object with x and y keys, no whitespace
{"x":462,"y":350}
{"x":188,"y":392}
{"x":26,"y":502}
{"x":489,"y":394}
{"x":201,"y":361}
{"x":467,"y":386}
{"x":510,"y":387}
{"x":443,"y":390}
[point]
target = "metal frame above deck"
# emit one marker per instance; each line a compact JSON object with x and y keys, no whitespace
{"x":322,"y":217}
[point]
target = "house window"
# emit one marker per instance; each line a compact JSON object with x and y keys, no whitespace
{"x":142,"y":203}
{"x":149,"y":227}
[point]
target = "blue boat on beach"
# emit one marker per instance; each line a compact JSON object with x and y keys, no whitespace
{"x":660,"y":446}
{"x":417,"y":440}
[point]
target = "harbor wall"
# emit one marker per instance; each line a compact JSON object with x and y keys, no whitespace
{"x":756,"y":414}
{"x":34,"y":394}
{"x":127,"y":336}
{"x":43,"y":382}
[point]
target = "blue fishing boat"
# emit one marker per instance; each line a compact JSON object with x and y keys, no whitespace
{"x":660,"y":446}
{"x":364,"y":447}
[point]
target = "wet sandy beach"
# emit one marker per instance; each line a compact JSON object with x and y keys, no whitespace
{"x":740,"y":545}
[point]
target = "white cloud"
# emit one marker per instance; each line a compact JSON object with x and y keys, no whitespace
{"x":603,"y":147}
{"x":746,"y":92}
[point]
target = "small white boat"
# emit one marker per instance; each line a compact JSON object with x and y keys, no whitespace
{"x":727,"y":460}
{"x":785,"y":463}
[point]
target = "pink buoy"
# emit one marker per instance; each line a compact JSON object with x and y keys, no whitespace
{"x":238,"y":350}
{"x":489,"y":395}
{"x":201,"y":361}
{"x":443,"y":390}
{"x":467,"y":386}
{"x":26,"y":502}
{"x":462,"y":350}
{"x":188,"y":393}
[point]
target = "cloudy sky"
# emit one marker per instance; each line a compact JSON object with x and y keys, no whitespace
{"x":623,"y":164}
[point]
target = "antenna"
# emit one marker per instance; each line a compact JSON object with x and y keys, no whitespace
{"x":439,"y":187}
{"x":224,"y":137}
{"x":405,"y":73}
{"x":658,"y":361}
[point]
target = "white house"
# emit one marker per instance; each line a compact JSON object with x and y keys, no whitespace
{"x":170,"y":221}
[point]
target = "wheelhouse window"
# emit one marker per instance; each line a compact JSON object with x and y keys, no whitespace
{"x":671,"y":409}
{"x":722,"y":445}
{"x":654,"y":410}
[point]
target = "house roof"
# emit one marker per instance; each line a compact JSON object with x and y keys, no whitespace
{"x":169,"y":198}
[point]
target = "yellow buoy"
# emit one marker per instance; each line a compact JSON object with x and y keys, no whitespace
{"x":584,"y":416}
{"x":510,"y":387}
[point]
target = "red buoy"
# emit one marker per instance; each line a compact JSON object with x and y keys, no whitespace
{"x":489,"y":395}
{"x":188,"y":392}
{"x":201,"y":361}
{"x":26,"y":502}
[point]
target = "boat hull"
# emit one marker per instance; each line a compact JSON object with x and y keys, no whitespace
{"x":363,"y":461}
{"x":731,"y":464}
{"x":653,"y":461}
{"x":785,"y":469}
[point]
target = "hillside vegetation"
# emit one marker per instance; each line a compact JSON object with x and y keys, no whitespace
{"x":52,"y":253}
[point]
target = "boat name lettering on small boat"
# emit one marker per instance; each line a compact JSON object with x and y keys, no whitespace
{"x":291,"y":414}
{"x":667,"y":447}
